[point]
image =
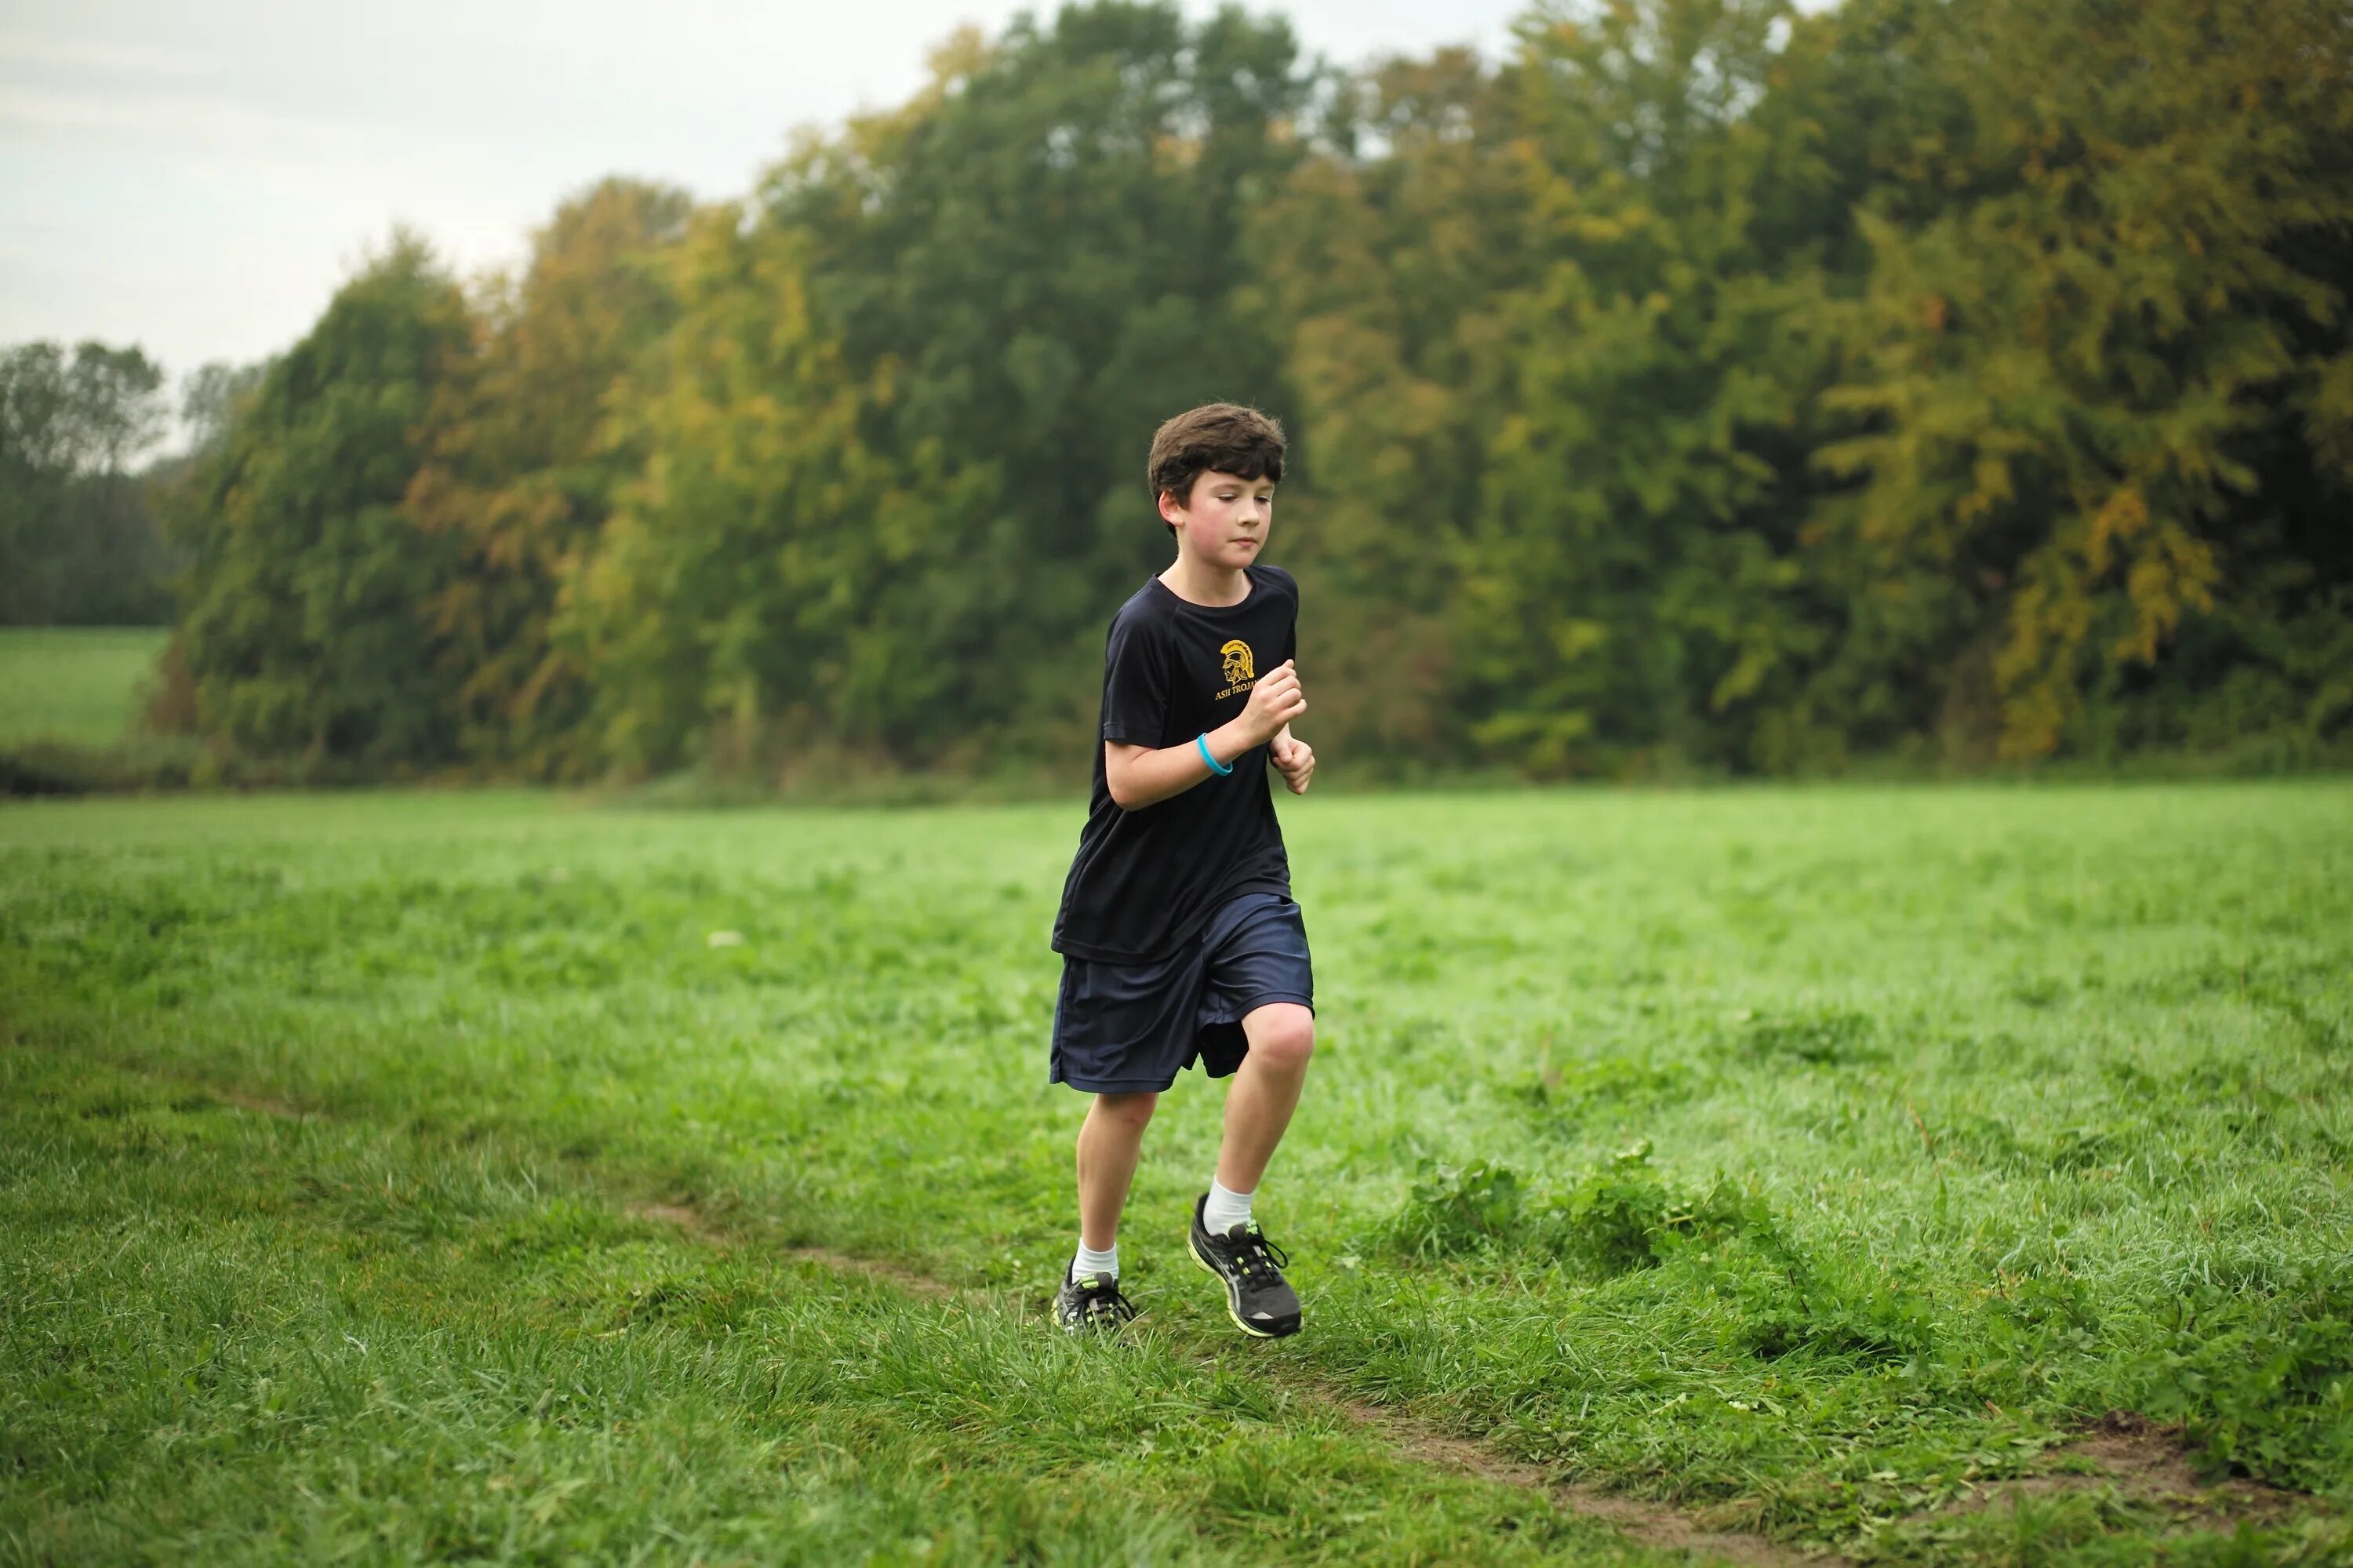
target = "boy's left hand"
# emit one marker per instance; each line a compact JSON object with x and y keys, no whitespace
{"x":1296,"y":761}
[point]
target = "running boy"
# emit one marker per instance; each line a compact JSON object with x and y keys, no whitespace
{"x":1179,"y":938}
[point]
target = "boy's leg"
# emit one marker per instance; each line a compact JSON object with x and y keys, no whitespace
{"x":1109,"y":1141}
{"x":1223,"y":1239}
{"x":1265,"y":1091}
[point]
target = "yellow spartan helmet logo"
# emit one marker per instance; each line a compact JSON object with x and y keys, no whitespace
{"x":1237,"y":655}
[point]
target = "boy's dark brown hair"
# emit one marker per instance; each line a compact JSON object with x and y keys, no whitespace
{"x":1223,"y":437}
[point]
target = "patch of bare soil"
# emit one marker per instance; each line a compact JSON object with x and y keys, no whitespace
{"x":882,"y":1273}
{"x":691,"y":1221}
{"x":236,"y":1100}
{"x":2143,"y":1461}
{"x":677,"y":1216}
{"x":1654,"y":1524}
{"x":259,"y":1105}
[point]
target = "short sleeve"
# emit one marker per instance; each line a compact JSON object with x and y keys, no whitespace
{"x":1290,"y":631}
{"x":1135,"y":684}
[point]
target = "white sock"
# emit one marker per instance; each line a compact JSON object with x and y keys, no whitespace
{"x":1090,"y":1261}
{"x":1226,"y":1208}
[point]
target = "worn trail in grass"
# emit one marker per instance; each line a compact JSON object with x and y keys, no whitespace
{"x":233,"y":1336}
{"x":1821,"y":1162}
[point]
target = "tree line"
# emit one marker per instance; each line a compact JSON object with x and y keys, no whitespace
{"x":78,"y":543}
{"x":1700,"y":386}
{"x":81,"y":540}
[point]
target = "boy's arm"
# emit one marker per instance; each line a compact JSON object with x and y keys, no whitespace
{"x":1139,"y":776}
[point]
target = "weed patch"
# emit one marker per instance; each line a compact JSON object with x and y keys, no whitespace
{"x":2262,"y":1381}
{"x":1616,"y":1217}
{"x":1829,"y":1037}
{"x":1824,"y":1307}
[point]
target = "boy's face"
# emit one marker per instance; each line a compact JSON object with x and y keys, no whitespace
{"x":1225,"y":521}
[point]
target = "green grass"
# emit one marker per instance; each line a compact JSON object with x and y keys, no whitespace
{"x":77,"y":684}
{"x":1810,"y":1156}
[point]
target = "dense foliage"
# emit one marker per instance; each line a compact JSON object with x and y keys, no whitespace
{"x":1702,"y":386}
{"x":308,"y":621}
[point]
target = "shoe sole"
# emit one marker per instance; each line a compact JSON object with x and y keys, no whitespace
{"x":1206,"y":1268}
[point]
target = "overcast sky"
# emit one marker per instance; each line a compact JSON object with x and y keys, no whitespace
{"x":197,"y":177}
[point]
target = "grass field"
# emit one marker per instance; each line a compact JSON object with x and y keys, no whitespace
{"x":1938,"y":1175}
{"x":75,"y":683}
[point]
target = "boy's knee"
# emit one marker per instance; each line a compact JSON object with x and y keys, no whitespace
{"x":1130,"y":1111}
{"x":1282,"y":1034}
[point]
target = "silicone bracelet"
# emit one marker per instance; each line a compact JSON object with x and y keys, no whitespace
{"x":1215,"y":767}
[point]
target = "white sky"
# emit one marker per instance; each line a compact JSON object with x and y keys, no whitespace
{"x":196,"y":178}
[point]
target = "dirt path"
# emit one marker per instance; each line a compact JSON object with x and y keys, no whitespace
{"x":1648,"y":1523}
{"x":2143,"y":1461}
{"x":2137,"y":1458}
{"x":1651,"y":1524}
{"x":2134,"y":1456}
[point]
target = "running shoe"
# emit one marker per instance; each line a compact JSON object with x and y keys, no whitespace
{"x":1258,"y":1298}
{"x":1092,"y":1304}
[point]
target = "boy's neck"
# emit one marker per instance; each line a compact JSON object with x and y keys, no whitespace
{"x":1197,"y":582}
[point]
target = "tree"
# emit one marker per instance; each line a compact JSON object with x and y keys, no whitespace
{"x":213,"y":397}
{"x":2097,"y":398}
{"x":78,"y":544}
{"x":1039,"y":259}
{"x":750,"y":599}
{"x":523,"y":453}
{"x":1631,"y":594}
{"x":1380,"y":272}
{"x":304,"y":627}
{"x":1709,"y":384}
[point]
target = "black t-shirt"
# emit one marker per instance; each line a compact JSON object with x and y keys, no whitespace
{"x":1145,"y":881}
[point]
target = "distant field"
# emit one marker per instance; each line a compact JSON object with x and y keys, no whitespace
{"x":414,"y":1177}
{"x":78,"y":683}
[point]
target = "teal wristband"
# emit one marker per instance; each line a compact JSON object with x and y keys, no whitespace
{"x":1215,"y":767}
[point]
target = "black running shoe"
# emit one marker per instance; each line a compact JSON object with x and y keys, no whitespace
{"x":1092,"y":1304}
{"x":1258,"y":1298}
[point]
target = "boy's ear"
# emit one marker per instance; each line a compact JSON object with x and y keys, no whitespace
{"x":1171,"y":509}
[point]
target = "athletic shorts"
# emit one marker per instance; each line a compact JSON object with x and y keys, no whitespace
{"x":1132,"y":1028}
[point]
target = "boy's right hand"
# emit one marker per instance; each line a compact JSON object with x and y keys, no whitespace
{"x":1274,"y":702}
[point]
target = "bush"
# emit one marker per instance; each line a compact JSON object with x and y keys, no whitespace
{"x":1452,"y":1210}
{"x":1625,"y":1217}
{"x":1611,"y":1219}
{"x":56,"y":767}
{"x":2263,"y":1384}
{"x":1796,"y":1304}
{"x":144,"y":762}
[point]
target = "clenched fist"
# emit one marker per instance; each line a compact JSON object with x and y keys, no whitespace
{"x":1296,"y":761}
{"x":1274,"y":702}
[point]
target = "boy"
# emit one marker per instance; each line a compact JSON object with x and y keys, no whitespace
{"x":1180,"y":936}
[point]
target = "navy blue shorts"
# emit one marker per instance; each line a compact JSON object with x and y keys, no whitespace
{"x":1122,"y":1029}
